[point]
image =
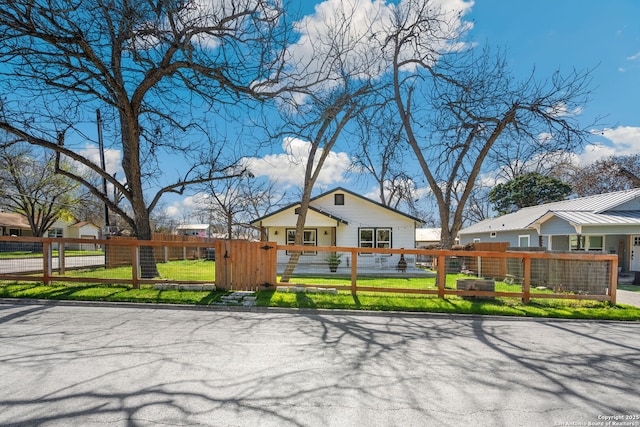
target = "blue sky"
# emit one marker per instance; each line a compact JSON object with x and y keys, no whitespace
{"x":564,"y":34}
{"x":548,"y":35}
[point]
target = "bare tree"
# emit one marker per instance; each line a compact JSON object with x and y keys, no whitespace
{"x":337,"y":76}
{"x":30,"y":186}
{"x":381,"y":153}
{"x":457,"y":105}
{"x":613,"y":173}
{"x":236,"y":202}
{"x":163,"y":70}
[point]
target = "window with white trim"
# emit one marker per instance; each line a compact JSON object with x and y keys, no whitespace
{"x":309,"y":238}
{"x":55,"y":233}
{"x":493,"y":234}
{"x":595,"y":243}
{"x":574,"y":244}
{"x":524,"y":241}
{"x":374,"y":237}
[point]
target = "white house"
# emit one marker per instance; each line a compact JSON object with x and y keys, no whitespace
{"x":340,"y":217}
{"x":608,"y":223}
{"x":426,"y":237}
{"x":201,"y":230}
{"x":74,"y":229}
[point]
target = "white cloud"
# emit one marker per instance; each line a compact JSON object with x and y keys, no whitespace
{"x":174,"y":211}
{"x":182,"y":209}
{"x":287,"y":169}
{"x":204,"y":15}
{"x":561,"y":110}
{"x":634,"y":57}
{"x":112,"y":158}
{"x":358,"y":29}
{"x":620,"y":141}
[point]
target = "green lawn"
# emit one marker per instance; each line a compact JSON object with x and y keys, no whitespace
{"x":404,"y":282}
{"x":114,"y":293}
{"x":174,"y":270}
{"x":570,"y":309}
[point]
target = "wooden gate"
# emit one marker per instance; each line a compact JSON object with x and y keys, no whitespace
{"x":245,"y":266}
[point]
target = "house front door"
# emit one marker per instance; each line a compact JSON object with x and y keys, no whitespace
{"x":635,"y":253}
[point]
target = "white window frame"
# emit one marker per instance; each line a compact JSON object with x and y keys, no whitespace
{"x":309,"y":236}
{"x":573,"y":242}
{"x":376,"y":241}
{"x":588,"y":242}
{"x":528,"y":237}
{"x":493,"y":234}
{"x":55,"y":233}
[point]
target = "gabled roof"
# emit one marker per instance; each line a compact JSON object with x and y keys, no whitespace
{"x":590,"y":210}
{"x":10,"y":219}
{"x":336,"y":190}
{"x":328,"y":215}
{"x":80,"y":224}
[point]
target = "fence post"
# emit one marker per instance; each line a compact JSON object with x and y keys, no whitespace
{"x":354,"y":268}
{"x":613,"y":281}
{"x":61,"y":247}
{"x":46,"y":263}
{"x":526,"y":285}
{"x":135,"y":266}
{"x":442,"y":274}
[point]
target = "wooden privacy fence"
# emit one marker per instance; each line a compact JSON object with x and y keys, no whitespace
{"x":245,"y":265}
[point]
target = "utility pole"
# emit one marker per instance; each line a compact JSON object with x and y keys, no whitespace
{"x":102,"y":165}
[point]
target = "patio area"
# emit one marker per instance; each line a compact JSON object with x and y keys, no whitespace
{"x":367,"y":270}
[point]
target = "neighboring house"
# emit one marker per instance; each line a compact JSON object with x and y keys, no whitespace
{"x":75,"y":230}
{"x":13,"y":224}
{"x":340,"y":217}
{"x":608,"y":223}
{"x":427,"y":237}
{"x":200,"y":230}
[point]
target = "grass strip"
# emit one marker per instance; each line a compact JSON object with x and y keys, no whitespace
{"x":566,"y":309}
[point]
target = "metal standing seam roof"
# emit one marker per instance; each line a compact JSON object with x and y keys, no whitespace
{"x":589,"y":209}
{"x":590,"y":218}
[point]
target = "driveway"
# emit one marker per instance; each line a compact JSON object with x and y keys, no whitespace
{"x":101,"y":365}
{"x":628,"y":297}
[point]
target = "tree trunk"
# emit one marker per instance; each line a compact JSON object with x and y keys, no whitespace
{"x":295,"y":255}
{"x":148,"y":268}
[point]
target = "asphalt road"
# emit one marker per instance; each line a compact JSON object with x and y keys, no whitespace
{"x":130,"y":366}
